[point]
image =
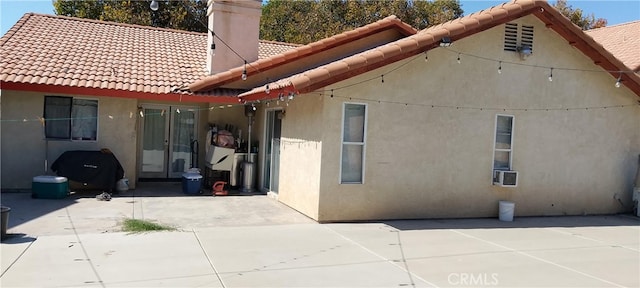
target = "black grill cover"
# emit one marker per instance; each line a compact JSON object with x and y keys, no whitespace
{"x":97,"y":168}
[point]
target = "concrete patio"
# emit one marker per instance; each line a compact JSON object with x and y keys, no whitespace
{"x":255,"y":241}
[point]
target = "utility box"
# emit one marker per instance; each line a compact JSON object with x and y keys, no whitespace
{"x":49,"y":187}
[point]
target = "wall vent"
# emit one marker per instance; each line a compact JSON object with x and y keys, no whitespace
{"x":511,"y":37}
{"x":526,"y":37}
{"x":515,"y":38}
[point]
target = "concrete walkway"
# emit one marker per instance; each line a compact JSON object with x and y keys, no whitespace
{"x":63,"y":248}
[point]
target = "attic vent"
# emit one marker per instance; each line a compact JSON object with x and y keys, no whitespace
{"x":527,"y":36}
{"x":513,"y":39}
{"x":510,"y":37}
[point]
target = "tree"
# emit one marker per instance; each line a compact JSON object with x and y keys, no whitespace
{"x":184,"y":15}
{"x":303,"y":21}
{"x":576,"y":16}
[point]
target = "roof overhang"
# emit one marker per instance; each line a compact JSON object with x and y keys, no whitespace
{"x":264,"y":67}
{"x":230,"y":98}
{"x":457,"y":29}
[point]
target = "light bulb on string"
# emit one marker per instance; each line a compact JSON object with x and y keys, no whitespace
{"x":426,"y":57}
{"x":266,"y":89}
{"x":500,"y":67}
{"x":154,"y":5}
{"x":244,"y":71}
{"x":382,"y":77}
{"x":291,"y":95}
{"x":551,"y":75}
{"x":459,"y":58}
{"x":619,"y":80}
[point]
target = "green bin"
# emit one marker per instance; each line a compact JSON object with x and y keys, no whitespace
{"x":50,"y":187}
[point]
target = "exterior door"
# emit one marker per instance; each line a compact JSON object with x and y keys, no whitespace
{"x":167,"y":134}
{"x":271,"y":171}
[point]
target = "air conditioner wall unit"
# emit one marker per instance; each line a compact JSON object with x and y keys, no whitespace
{"x":505,"y":178}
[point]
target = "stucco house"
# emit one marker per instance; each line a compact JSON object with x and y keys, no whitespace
{"x":382,"y":122}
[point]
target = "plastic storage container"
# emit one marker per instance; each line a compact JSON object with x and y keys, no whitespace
{"x":506,"y":210}
{"x":191,"y":183}
{"x":49,"y":187}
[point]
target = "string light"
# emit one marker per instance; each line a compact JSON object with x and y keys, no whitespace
{"x":550,"y":74}
{"x":382,"y":77}
{"x":618,"y":81}
{"x":500,"y":67}
{"x":154,"y":5}
{"x":459,"y":58}
{"x":291,"y":95}
{"x":266,"y":89}
{"x":426,"y":57}
{"x":244,"y":71}
{"x":331,"y":93}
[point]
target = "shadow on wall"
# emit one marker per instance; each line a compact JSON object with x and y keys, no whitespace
{"x":519,"y":222}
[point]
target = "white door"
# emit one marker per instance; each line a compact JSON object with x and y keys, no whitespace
{"x":167,"y":135}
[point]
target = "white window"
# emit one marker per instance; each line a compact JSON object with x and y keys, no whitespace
{"x":354,"y":126}
{"x":503,"y":145}
{"x":70,"y":118}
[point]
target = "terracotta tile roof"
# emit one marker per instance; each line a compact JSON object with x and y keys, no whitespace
{"x":623,"y":41}
{"x":262,"y":65}
{"x":270,"y":48}
{"x":82,"y":53}
{"x":429,"y":38}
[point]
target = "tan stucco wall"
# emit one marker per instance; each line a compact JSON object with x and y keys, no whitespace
{"x":424,"y":162}
{"x":301,"y":154}
{"x":24,"y":148}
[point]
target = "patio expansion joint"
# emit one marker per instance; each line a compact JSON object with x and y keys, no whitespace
{"x":18,"y":258}
{"x":390,"y":261}
{"x":208,"y":258}
{"x":84,"y":250}
{"x":595,"y":240}
{"x":536,"y":258}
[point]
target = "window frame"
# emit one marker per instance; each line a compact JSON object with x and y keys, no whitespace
{"x":495,"y":142}
{"x":70,"y":123}
{"x":363,"y":143}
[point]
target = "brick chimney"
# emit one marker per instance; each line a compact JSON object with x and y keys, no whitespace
{"x":237,"y":23}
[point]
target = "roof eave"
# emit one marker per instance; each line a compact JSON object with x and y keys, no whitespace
{"x":429,"y":39}
{"x":262,"y":65}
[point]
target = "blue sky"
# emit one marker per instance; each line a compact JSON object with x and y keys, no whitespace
{"x":615,"y":11}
